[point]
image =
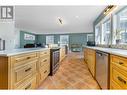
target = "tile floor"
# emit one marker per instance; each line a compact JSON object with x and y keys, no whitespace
{"x":72,"y":74}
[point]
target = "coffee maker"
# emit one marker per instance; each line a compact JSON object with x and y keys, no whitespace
{"x":2,"y":44}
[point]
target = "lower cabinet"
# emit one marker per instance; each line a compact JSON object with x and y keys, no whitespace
{"x":43,"y":66}
{"x":85,"y":55}
{"x":24,"y":71}
{"x":118,"y":72}
{"x":28,"y":84}
{"x":43,"y":73}
{"x":90,"y":56}
{"x":62,"y":53}
{"x":118,"y":69}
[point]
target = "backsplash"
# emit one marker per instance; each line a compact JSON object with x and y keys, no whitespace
{"x":119,"y":46}
{"x":114,"y":46}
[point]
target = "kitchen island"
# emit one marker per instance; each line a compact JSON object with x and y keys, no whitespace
{"x":24,"y":68}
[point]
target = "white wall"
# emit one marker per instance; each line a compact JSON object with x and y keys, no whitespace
{"x":9,"y":34}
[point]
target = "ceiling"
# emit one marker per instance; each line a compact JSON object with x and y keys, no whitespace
{"x":44,"y":19}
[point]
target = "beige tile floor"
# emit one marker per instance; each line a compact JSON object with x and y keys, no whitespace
{"x":72,"y":74}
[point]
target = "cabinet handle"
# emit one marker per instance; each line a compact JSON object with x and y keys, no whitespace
{"x":28,"y":57}
{"x":120,"y":63}
{"x":28,"y":69}
{"x":122,"y":80}
{"x":28,"y":87}
{"x":45,"y":71}
{"x":45,"y":60}
{"x":45,"y":53}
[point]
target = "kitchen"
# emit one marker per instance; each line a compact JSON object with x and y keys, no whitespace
{"x":51,"y":47}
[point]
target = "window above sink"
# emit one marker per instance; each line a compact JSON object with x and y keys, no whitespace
{"x":120,"y":31}
{"x":111,"y":30}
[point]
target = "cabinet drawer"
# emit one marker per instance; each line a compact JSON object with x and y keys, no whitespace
{"x":29,"y":84}
{"x":43,"y":61}
{"x":22,"y":72}
{"x":119,"y":76}
{"x":45,"y":53}
{"x":23,"y":57}
{"x":121,"y":62}
{"x":44,"y":72}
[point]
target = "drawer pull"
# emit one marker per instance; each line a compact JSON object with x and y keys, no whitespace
{"x":28,"y":57}
{"x":28,"y":69}
{"x":45,"y":53}
{"x":120,"y":63}
{"x":45,"y":71}
{"x":45,"y":60}
{"x":28,"y":87}
{"x":122,"y":80}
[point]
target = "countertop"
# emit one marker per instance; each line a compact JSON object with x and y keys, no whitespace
{"x":119,"y":52}
{"x":20,"y":51}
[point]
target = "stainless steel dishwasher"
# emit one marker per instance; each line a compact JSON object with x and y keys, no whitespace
{"x":102,"y":69}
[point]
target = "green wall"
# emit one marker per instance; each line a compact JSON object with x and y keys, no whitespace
{"x":23,"y":42}
{"x":74,"y":38}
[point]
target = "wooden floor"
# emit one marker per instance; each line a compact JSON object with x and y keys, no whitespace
{"x":72,"y":74}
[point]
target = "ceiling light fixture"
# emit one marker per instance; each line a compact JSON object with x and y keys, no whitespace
{"x":108,"y":9}
{"x":60,"y":20}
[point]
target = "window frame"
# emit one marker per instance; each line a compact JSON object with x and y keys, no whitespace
{"x":107,"y":19}
{"x":66,"y":36}
{"x":116,"y":27}
{"x":50,"y":39}
{"x":98,"y":25}
{"x":112,"y":17}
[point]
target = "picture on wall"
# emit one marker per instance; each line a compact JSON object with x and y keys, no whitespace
{"x":29,"y":37}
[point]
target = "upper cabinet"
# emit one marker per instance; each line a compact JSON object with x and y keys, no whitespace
{"x":120,"y":30}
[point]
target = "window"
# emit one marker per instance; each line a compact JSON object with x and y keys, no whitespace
{"x":49,"y":39}
{"x":106,"y":32}
{"x":64,"y":39}
{"x":90,"y":37}
{"x":98,"y":34}
{"x":120,"y":33}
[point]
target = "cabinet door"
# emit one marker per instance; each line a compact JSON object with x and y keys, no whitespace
{"x":91,"y":63}
{"x":85,"y":55}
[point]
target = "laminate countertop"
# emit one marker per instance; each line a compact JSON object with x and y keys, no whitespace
{"x":119,"y":52}
{"x":20,"y":51}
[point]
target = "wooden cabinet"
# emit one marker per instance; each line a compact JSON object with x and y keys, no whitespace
{"x":90,"y":59}
{"x":118,"y":72}
{"x":43,"y":66}
{"x":24,"y":71}
{"x":62,"y":53}
{"x":43,"y":72}
{"x":85,"y":55}
{"x":29,"y":84}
